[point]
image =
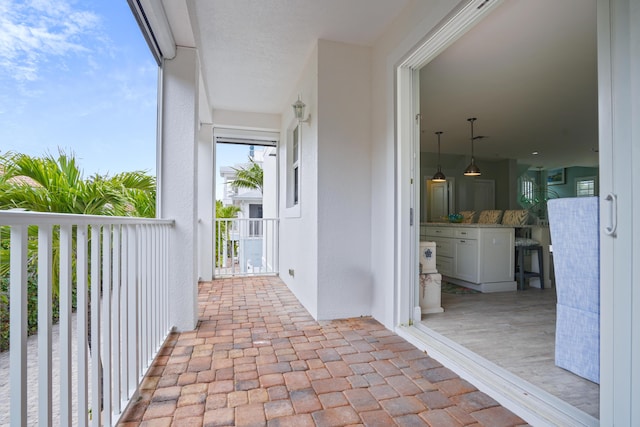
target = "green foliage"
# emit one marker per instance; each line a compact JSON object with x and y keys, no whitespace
{"x":251,"y":177}
{"x":32,"y":308}
{"x":221,"y":231}
{"x":135,"y":191}
{"x":56,"y":184}
{"x":226,"y":211}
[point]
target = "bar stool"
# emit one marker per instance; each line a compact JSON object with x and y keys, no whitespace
{"x":521,"y":273}
{"x":523,"y":243}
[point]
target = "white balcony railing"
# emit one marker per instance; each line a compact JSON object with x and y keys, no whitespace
{"x":245,"y":247}
{"x":116,"y":269}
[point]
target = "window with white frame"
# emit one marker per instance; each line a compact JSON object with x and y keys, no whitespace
{"x":527,"y":188}
{"x":586,"y":186}
{"x":293,"y":168}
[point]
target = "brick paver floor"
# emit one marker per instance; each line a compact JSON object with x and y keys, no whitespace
{"x":258,"y":358}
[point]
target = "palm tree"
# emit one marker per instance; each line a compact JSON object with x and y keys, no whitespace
{"x":223,"y":212}
{"x":250,"y":177}
{"x":50,"y":184}
{"x":136,"y":193}
{"x":56,"y":184}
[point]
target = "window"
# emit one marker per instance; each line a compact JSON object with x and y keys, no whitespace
{"x":255,"y":226}
{"x":293,"y":172}
{"x":295,"y":164}
{"x":527,"y":188}
{"x":586,"y":186}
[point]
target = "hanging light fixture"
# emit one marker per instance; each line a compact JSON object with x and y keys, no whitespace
{"x":472,"y":169}
{"x":439,"y":176}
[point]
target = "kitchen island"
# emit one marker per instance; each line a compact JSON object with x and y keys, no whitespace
{"x":477,"y":256}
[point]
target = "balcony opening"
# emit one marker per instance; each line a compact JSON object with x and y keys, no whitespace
{"x":246,"y":230}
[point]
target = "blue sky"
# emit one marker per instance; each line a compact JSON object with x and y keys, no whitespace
{"x":77,"y":75}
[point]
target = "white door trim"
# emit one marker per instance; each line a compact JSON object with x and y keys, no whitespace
{"x":465,"y":16}
{"x":406,"y":183}
{"x":619,"y":142}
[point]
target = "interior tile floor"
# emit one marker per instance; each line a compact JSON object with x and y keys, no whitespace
{"x":258,"y":358}
{"x":516,"y":331}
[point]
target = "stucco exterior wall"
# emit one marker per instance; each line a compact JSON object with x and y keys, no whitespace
{"x":348,"y":199}
{"x":328,"y":244}
{"x":299,"y":229}
{"x":415,"y":22}
{"x":344,"y":190}
{"x":178,"y":181}
{"x":205,"y":202}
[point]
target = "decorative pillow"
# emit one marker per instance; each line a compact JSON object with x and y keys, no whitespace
{"x":490,"y":217}
{"x":516,"y":217}
{"x":468,"y":217}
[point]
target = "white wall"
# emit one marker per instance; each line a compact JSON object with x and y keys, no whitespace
{"x":414,"y":23}
{"x":299,"y":232}
{"x":328,"y":244}
{"x":345,"y":156}
{"x":344,"y":189}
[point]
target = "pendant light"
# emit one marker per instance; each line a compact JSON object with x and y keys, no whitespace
{"x":439,"y":176}
{"x":472,"y":169}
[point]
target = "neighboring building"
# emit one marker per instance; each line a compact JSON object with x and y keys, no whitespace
{"x":248,"y":200}
{"x":251,"y":237}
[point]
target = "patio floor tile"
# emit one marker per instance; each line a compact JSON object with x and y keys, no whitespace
{"x":258,"y":358}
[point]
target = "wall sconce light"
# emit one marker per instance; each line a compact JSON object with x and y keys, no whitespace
{"x":472,"y":169}
{"x":298,"y":111}
{"x":439,"y":176}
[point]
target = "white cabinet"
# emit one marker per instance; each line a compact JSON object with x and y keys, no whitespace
{"x":480,"y":257}
{"x":465,"y":259}
{"x":444,"y":256}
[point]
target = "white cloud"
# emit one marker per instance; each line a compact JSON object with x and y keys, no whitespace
{"x":34,"y":32}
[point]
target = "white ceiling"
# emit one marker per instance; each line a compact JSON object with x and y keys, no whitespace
{"x":527,"y":71}
{"x":254,"y":51}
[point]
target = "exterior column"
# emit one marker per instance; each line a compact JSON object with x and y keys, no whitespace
{"x":177,"y":181}
{"x":206,"y":201}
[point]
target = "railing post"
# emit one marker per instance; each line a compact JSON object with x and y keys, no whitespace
{"x":106,"y":325}
{"x":44,"y":325}
{"x":124,"y":313}
{"x":83,"y":324}
{"x":96,"y":377}
{"x":155,"y":322}
{"x":132,"y":311}
{"x":65,"y":324}
{"x":165,"y":278}
{"x":115,"y":320}
{"x":18,"y":321}
{"x":143,"y":294}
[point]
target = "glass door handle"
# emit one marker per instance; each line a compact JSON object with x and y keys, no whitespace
{"x":610,"y":230}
